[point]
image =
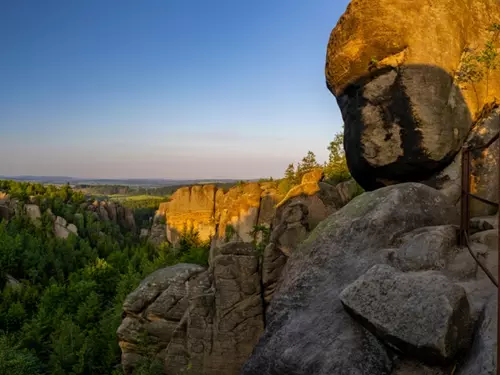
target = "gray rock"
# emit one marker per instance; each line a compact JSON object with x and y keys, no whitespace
{"x":273,"y":261}
{"x":158,"y":233}
{"x":73,"y":229}
{"x":427,"y":248}
{"x":347,"y":190}
{"x":61,"y":221}
{"x":11,"y":281}
{"x":6,"y":211}
{"x":151,"y":287}
{"x":308,"y":331}
{"x":433,"y":248}
{"x":60,"y":231}
{"x":33,"y":212}
{"x":422,"y":314}
{"x":204,"y":320}
{"x":488,"y":238}
{"x":412,"y":367}
{"x":482,"y":360}
{"x":481,"y":223}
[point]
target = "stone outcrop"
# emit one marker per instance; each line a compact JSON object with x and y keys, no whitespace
{"x":115,"y":212}
{"x":204,"y":321}
{"x":407,"y":231}
{"x":7,"y":206}
{"x":217,"y":215}
{"x":33,"y":212}
{"x":309,"y":185}
{"x":348,"y":190}
{"x":62,"y":229}
{"x":233,"y":215}
{"x":214,"y":214}
{"x":406,"y":114}
{"x":386,"y":300}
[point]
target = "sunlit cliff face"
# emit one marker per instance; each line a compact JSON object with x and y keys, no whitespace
{"x":391,"y":65}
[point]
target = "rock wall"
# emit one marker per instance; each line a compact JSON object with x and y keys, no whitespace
{"x":115,"y":212}
{"x":406,"y":112}
{"x":204,"y":321}
{"x":231,"y":216}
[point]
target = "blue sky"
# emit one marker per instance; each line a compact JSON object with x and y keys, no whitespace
{"x":164,"y":89}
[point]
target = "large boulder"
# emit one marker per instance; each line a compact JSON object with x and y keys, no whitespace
{"x":308,"y":330}
{"x":386,"y":301}
{"x":405,"y":115}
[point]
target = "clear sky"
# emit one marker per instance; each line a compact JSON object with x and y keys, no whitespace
{"x":164,"y":88}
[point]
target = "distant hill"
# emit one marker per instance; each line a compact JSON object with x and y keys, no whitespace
{"x":142,"y":182}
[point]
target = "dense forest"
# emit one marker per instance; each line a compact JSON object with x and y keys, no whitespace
{"x":61,"y":299}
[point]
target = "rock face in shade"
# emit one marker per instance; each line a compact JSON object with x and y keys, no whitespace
{"x":111,"y":211}
{"x":482,"y":359}
{"x":207,"y":321}
{"x":406,"y":116}
{"x":308,"y":330}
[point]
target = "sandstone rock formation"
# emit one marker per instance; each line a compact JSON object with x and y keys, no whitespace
{"x":217,"y":215}
{"x":406,"y":114}
{"x":386,"y":300}
{"x":62,"y":229}
{"x":204,"y":321}
{"x":115,"y":212}
{"x":7,"y":206}
{"x":233,"y":215}
{"x":409,"y":227}
{"x":33,"y":212}
{"x":308,"y":186}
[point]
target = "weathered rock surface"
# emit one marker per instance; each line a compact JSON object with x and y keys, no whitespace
{"x":33,"y":212}
{"x":482,"y":223}
{"x":207,"y":321}
{"x":6,"y":209}
{"x":308,"y":330}
{"x":422,"y":314}
{"x":61,"y":227}
{"x":412,"y":367}
{"x":218,"y":215}
{"x":487,"y":237}
{"x":405,"y":115}
{"x":347,"y":190}
{"x":238,"y":209}
{"x":309,"y":185}
{"x":435,"y":248}
{"x":484,"y":167}
{"x":111,"y":211}
{"x":158,"y":232}
{"x":482,"y":359}
{"x":231,"y":216}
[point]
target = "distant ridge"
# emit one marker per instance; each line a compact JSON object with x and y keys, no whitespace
{"x":57,"y":180}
